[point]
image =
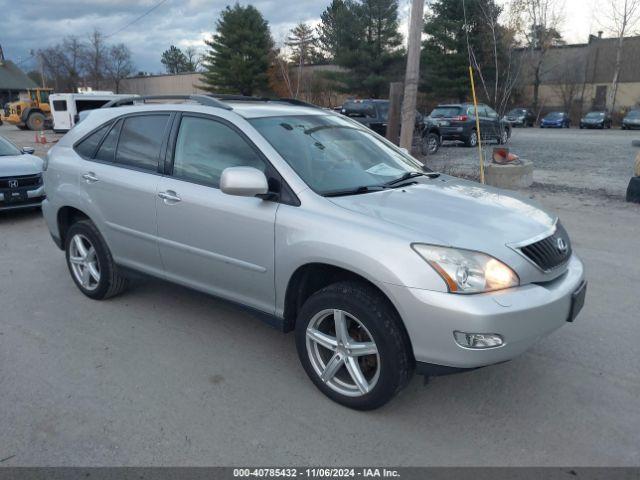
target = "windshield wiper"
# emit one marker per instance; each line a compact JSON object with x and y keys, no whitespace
{"x":410,"y":175}
{"x":356,"y":191}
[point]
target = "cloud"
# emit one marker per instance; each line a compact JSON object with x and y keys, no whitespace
{"x":179,"y":22}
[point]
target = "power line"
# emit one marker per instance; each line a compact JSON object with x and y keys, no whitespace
{"x":137,"y":18}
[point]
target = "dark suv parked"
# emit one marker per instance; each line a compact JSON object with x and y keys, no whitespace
{"x":596,"y":120}
{"x":520,"y":117}
{"x":458,"y":122}
{"x":375,"y":115}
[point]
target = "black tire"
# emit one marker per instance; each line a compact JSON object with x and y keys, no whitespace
{"x":503,"y":139}
{"x":111,"y":282}
{"x":373,"y":310}
{"x":35,"y":121}
{"x":430,"y":143}
{"x":22,"y":127}
{"x":472,"y":139}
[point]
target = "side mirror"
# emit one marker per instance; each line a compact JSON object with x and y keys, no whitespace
{"x":28,"y":150}
{"x":243,"y":182}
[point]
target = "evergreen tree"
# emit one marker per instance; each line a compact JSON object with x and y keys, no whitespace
{"x":239,"y":52}
{"x":369,"y":47}
{"x":174,"y":60}
{"x":302,"y":41}
{"x":445,"y":56}
{"x":335,"y":33}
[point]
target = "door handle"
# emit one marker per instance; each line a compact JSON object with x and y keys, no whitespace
{"x":90,"y":177}
{"x":169,"y":197}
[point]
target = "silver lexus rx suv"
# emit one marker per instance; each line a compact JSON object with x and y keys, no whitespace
{"x":319,"y":226}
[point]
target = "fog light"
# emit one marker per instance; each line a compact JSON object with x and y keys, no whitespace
{"x":478,"y":340}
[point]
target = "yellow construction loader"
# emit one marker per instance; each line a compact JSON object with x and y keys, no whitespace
{"x":31,"y":112}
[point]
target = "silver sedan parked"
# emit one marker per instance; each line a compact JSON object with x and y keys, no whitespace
{"x":318,"y":225}
{"x":20,"y":177}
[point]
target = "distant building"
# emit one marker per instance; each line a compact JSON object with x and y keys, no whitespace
{"x":12,"y":80}
{"x":577,"y":78}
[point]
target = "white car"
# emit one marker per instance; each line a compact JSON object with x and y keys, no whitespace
{"x":20,"y":177}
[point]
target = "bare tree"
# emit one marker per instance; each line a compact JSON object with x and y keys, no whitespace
{"x":94,"y":58}
{"x":623,"y":19}
{"x":62,"y":63}
{"x":540,"y":25}
{"x":506,"y":64}
{"x":194,"y":58}
{"x":118,"y":64}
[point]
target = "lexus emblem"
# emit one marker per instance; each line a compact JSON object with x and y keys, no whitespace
{"x":562,"y":245}
{"x":13,"y":183}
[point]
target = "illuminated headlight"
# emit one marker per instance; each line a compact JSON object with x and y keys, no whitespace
{"x":478,"y":340}
{"x":466,"y":271}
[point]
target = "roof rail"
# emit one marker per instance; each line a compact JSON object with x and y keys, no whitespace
{"x":205,"y":100}
{"x":245,"y":98}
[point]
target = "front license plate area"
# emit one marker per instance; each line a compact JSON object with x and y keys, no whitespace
{"x":577,"y":301}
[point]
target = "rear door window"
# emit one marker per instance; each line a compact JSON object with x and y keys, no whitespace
{"x":140,"y":140}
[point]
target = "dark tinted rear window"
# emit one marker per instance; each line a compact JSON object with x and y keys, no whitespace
{"x":88,"y":146}
{"x":140,"y":141}
{"x":440,"y":112}
{"x":358,"y":109}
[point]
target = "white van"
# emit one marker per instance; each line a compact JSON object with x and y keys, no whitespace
{"x":66,"y":107}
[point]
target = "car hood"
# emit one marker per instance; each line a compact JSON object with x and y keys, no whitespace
{"x":16,"y":165}
{"x":454,"y":212}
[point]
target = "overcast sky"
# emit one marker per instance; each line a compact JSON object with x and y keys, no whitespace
{"x":33,"y":24}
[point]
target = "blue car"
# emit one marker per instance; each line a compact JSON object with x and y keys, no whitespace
{"x":556,"y":120}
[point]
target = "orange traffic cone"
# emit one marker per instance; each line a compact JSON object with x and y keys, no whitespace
{"x":36,"y":137}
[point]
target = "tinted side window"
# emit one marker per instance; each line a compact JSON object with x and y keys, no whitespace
{"x":60,"y":105}
{"x":491,"y":113}
{"x":87,"y":147}
{"x":140,"y":141}
{"x":107,"y":150}
{"x":204,"y":148}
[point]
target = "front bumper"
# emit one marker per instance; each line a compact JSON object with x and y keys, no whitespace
{"x":33,"y":198}
{"x":520,"y":315}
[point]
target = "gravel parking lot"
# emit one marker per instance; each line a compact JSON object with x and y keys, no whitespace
{"x":589,"y":161}
{"x":167,"y":376}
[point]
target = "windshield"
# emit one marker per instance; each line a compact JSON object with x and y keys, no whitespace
{"x":634,"y":114}
{"x":333,"y":154}
{"x":554,"y":116}
{"x":516,"y":112}
{"x":358,"y":109}
{"x":594,"y":115}
{"x":440,"y":112}
{"x":8,"y":148}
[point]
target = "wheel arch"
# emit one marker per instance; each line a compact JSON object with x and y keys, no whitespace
{"x":67,"y":216}
{"x":309,"y":278}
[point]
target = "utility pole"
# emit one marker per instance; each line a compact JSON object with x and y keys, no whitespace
{"x":412,"y":75}
{"x":395,"y":106}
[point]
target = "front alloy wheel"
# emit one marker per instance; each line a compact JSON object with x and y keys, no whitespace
{"x":353,"y":346}
{"x":343,"y":353}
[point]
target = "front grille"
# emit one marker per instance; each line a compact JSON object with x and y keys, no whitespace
{"x":23,"y":181}
{"x":547,"y":253}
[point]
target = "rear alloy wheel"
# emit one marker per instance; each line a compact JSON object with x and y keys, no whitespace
{"x":90,"y":262}
{"x":430,"y":143}
{"x":352,"y":346}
